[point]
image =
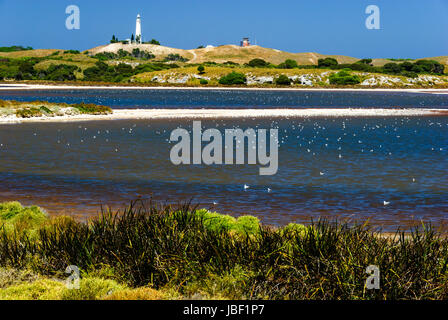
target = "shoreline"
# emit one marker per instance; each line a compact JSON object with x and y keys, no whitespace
{"x":18,"y":86}
{"x":156,"y":114}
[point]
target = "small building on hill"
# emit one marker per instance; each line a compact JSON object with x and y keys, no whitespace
{"x":245,"y":42}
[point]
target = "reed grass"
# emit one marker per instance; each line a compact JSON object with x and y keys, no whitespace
{"x":178,"y":248}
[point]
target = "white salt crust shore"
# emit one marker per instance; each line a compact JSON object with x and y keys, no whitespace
{"x":154,"y":114}
{"x":19,"y":86}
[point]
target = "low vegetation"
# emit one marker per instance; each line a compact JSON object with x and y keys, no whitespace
{"x":139,"y":66}
{"x":14,"y":48}
{"x":24,"y":109}
{"x":233,"y":78}
{"x":148,"y":251}
{"x":344,"y":77}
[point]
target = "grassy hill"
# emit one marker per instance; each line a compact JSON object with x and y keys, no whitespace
{"x":155,"y":64}
{"x":241,"y":55}
{"x":219,"y":54}
{"x":36,"y":53}
{"x":225,"y":53}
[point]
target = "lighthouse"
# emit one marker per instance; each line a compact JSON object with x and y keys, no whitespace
{"x":138,"y":30}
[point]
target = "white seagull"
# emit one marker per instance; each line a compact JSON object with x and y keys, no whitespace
{"x":246,"y":186}
{"x":386,"y":203}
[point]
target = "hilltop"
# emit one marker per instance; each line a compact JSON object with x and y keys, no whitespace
{"x":241,"y":55}
{"x":220,"y":54}
{"x":225,"y":53}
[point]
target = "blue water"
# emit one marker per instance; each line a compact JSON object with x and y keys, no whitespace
{"x":72,"y":168}
{"x":181,"y":98}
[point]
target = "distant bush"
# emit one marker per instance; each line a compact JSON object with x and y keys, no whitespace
{"x":201,"y":69}
{"x":203,"y":81}
{"x":392,"y":67}
{"x":14,"y":48}
{"x":327,"y":62}
{"x":233,"y":78}
{"x":344,"y":77}
{"x":72,"y":51}
{"x":365,"y":61}
{"x":230,"y":63}
{"x":258,"y":63}
{"x":141,"y":54}
{"x":60,"y":72}
{"x":431,"y":66}
{"x":136,"y":53}
{"x":410,"y":74}
{"x":288,"y":64}
{"x":154,"y":41}
{"x":175,"y":57}
{"x":283,"y":80}
{"x":406,"y":68}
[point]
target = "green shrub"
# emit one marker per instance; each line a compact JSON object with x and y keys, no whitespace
{"x":175,"y":57}
{"x":327,"y":63}
{"x":44,"y":289}
{"x":258,"y":63}
{"x":201,"y":69}
{"x":90,"y":108}
{"x":365,"y":61}
{"x":60,"y":72}
{"x":44,"y":109}
{"x":14,"y":215}
{"x":392,"y":67}
{"x":410,"y":74}
{"x":72,"y":51}
{"x":28,"y":112}
{"x":203,"y":81}
{"x":92,"y":289}
{"x":154,"y":41}
{"x":283,"y":80}
{"x":288,"y":64}
{"x":344,"y":77}
{"x":233,"y":78}
{"x":220,"y":222}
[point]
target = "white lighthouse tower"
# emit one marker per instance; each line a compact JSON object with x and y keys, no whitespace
{"x":138,"y":30}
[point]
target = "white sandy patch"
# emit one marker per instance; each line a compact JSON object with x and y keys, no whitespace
{"x":128,"y":114}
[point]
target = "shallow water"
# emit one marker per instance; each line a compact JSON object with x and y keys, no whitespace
{"x":235,"y":99}
{"x":74,"y":167}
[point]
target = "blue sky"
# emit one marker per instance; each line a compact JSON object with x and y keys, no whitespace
{"x":409,"y":28}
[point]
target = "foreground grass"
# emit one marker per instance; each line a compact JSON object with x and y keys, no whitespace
{"x":24,"y":109}
{"x":148,"y":251}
